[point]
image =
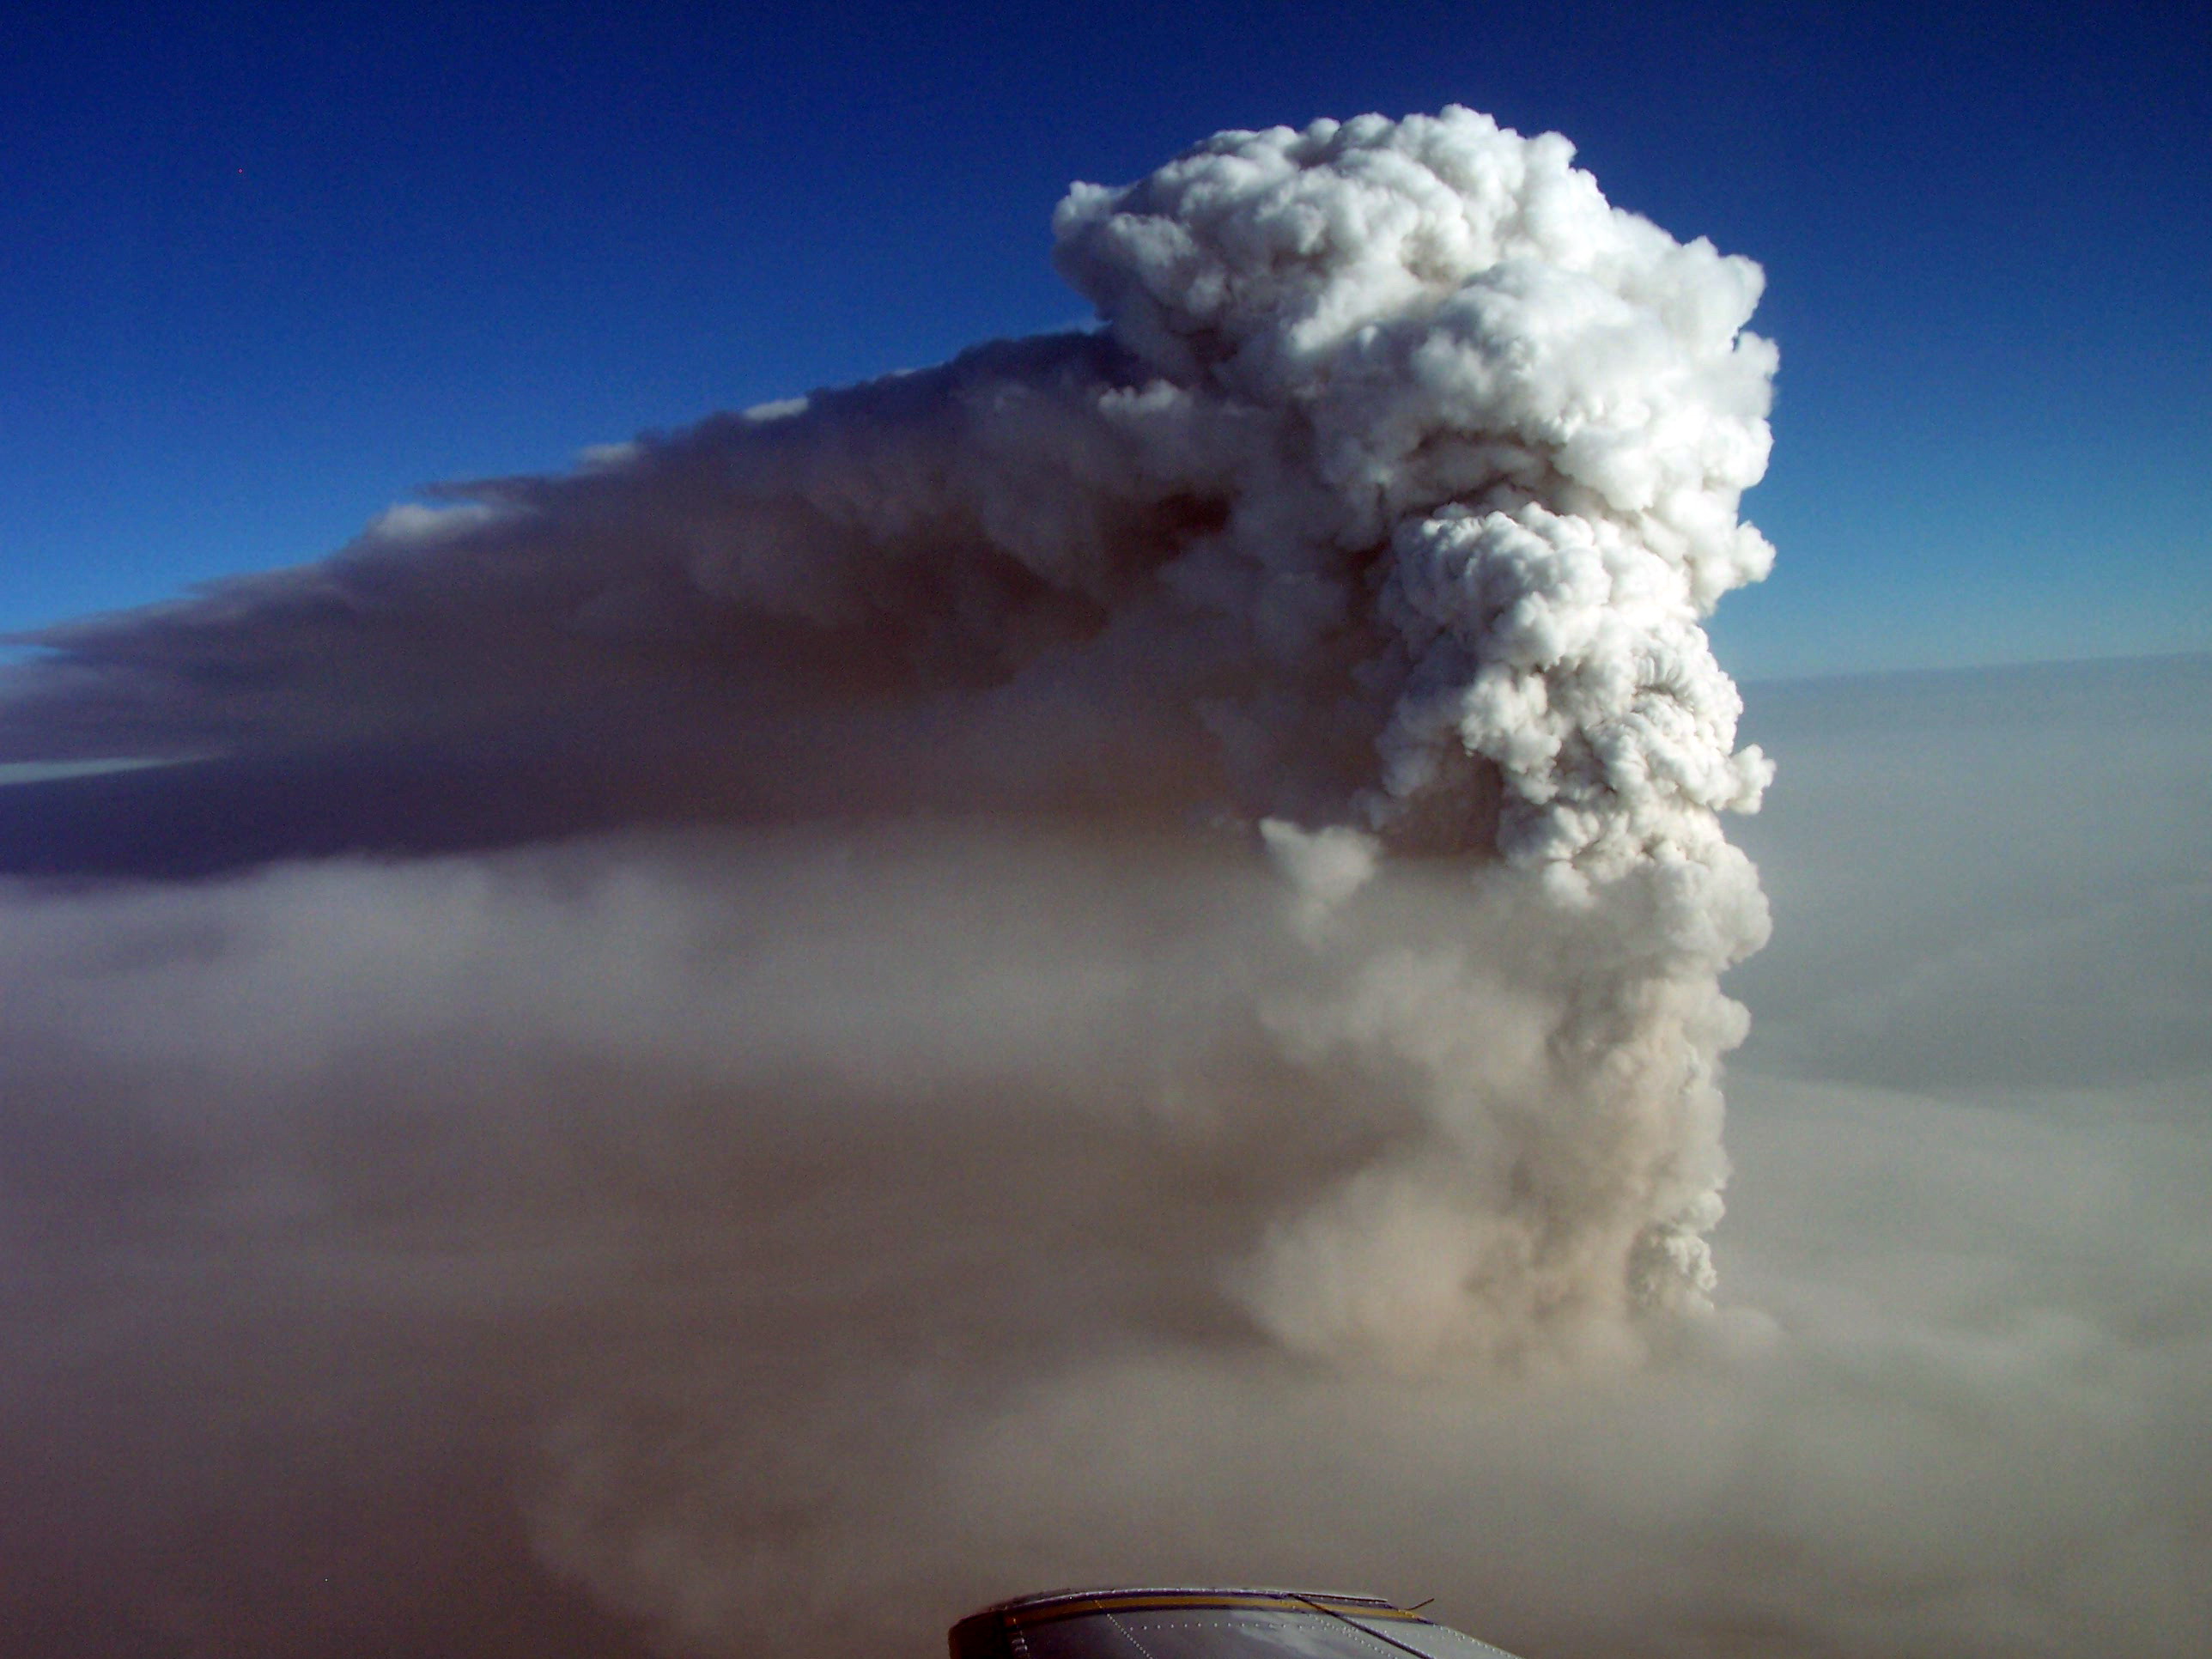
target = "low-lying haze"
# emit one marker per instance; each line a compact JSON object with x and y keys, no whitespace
{"x":712,"y":1238}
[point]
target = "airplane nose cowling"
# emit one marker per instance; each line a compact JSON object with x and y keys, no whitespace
{"x":1192,"y":1622}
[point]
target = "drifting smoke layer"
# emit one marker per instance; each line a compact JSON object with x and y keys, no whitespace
{"x":1385,"y":511}
{"x":797,"y":1235}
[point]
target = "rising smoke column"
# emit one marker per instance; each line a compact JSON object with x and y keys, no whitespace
{"x":1496,"y":431}
{"x":1382,"y":513}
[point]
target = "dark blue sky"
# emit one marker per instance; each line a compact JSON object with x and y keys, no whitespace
{"x":269,"y":268}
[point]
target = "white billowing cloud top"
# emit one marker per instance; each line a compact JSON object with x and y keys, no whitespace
{"x":1438,"y":340}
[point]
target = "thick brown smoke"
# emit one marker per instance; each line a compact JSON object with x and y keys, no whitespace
{"x":1388,"y":505}
{"x":1197,"y":940}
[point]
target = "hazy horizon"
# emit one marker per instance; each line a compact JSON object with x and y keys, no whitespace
{"x":1963,"y":1273}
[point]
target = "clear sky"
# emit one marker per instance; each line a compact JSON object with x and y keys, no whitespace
{"x":270,"y":268}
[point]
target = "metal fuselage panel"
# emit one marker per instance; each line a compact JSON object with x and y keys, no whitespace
{"x":1207,"y":1624}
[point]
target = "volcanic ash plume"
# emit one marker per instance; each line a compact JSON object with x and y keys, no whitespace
{"x":1483,"y":439}
{"x":1382,"y":515}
